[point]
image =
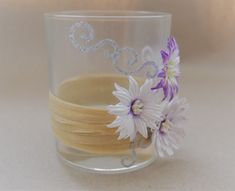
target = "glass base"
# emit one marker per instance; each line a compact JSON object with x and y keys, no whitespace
{"x":103,"y":164}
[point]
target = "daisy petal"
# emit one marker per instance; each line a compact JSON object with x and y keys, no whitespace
{"x":118,"y":110}
{"x":119,"y":88}
{"x":125,"y":99}
{"x":133,"y":87}
{"x":153,"y":116}
{"x":145,"y":89}
{"x":158,"y":147}
{"x":117,"y":122}
{"x":154,"y":108}
{"x":141,"y":127}
{"x":174,"y":142}
{"x":122,"y":135}
{"x":130,"y":127}
{"x":165,"y":147}
{"x":127,"y":128}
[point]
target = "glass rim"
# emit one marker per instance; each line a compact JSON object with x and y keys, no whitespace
{"x":106,"y":14}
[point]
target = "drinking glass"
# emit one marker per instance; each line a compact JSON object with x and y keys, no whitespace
{"x":88,"y":52}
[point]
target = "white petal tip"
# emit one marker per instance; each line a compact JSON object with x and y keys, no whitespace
{"x":131,"y":78}
{"x":120,"y":138}
{"x":110,"y":126}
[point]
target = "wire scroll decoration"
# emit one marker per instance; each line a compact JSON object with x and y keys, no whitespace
{"x":81,"y":34}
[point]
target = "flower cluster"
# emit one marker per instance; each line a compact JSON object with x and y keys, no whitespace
{"x":170,"y":72}
{"x":143,"y":108}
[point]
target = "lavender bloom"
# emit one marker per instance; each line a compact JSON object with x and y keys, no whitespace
{"x":170,"y":72}
{"x":169,"y":131}
{"x":138,"y":108}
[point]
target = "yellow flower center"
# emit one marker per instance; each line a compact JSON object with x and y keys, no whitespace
{"x":137,"y":107}
{"x":164,"y":127}
{"x":170,"y":72}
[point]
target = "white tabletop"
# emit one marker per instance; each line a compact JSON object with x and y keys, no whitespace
{"x":206,"y":160}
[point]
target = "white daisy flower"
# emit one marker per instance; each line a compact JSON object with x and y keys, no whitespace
{"x":137,"y":110}
{"x":169,"y":131}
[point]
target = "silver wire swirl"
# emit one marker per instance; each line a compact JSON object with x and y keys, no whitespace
{"x":80,"y":35}
{"x":128,"y":161}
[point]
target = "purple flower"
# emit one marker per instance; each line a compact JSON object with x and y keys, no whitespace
{"x":170,"y":72}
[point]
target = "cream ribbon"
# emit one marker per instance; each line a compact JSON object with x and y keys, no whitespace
{"x":79,"y":117}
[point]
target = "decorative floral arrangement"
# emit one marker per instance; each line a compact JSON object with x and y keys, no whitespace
{"x":153,"y":106}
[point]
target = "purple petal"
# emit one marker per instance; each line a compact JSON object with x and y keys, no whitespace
{"x":166,"y":91}
{"x":165,"y":56}
{"x":172,"y":45}
{"x":159,"y":85}
{"x":162,"y":74}
{"x":171,"y":93}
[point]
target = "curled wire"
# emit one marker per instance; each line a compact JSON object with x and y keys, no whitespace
{"x":82,"y":33}
{"x":130,"y":160}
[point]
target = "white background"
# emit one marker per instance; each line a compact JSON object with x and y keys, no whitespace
{"x":205,"y":31}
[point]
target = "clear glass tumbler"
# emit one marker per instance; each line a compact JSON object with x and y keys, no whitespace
{"x":90,"y":51}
